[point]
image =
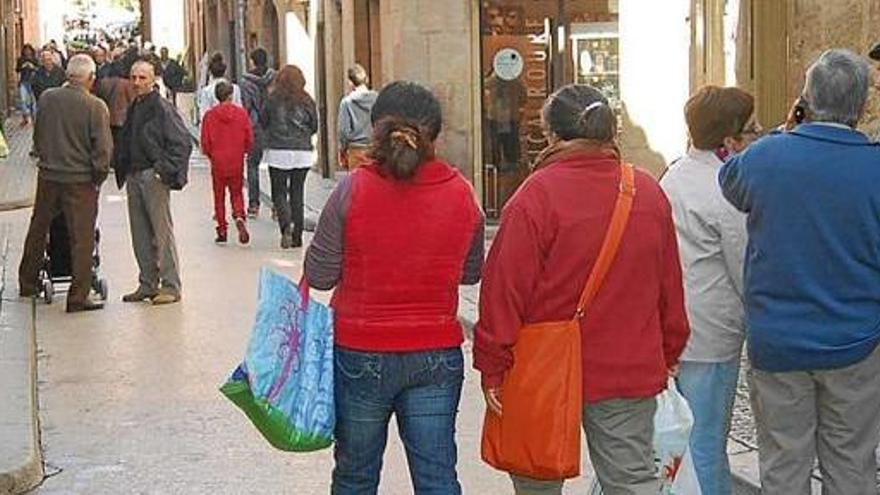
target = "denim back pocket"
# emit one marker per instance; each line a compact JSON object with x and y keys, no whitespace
{"x":355,"y":365}
{"x":446,"y":367}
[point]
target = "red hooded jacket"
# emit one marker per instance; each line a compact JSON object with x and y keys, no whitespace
{"x":226,"y":137}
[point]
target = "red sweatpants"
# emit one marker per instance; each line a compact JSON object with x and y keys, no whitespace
{"x":235,"y":184}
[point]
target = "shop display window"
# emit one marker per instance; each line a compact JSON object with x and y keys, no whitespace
{"x":528,"y":49}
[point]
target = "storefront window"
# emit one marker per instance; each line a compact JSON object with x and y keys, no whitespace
{"x":530,"y":48}
{"x":597,"y":58}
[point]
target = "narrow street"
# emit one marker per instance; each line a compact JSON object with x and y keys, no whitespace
{"x":128,"y":395}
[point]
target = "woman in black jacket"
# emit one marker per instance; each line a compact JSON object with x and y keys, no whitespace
{"x":289,"y":121}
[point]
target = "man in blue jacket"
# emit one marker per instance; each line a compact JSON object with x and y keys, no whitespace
{"x":812,"y":285}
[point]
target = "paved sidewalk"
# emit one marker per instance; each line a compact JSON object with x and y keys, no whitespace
{"x":21,"y":466}
{"x":18,"y":173}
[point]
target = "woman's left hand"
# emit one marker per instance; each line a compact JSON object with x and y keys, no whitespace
{"x":493,"y":399}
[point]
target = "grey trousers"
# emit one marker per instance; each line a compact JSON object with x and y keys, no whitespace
{"x":619,"y":436}
{"x":152,"y":233}
{"x":831,"y":414}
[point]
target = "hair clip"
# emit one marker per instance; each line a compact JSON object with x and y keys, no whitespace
{"x":406,"y":137}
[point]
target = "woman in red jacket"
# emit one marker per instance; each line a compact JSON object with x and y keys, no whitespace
{"x":226,"y":137}
{"x":634,"y":330}
{"x":396,"y":238}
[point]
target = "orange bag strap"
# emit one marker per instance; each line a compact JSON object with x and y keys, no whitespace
{"x":611,"y":243}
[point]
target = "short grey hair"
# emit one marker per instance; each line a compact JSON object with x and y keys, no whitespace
{"x":837,"y":87}
{"x":80,"y":67}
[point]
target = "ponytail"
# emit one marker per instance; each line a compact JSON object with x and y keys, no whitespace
{"x":580,"y":112}
{"x":598,"y":122}
{"x":399,"y":148}
{"x":406,"y":121}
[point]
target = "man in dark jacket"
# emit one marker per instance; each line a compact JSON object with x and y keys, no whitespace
{"x":254,"y":90}
{"x":152,"y":160}
{"x":49,"y":75}
{"x":172,"y":74}
{"x":72,"y":140}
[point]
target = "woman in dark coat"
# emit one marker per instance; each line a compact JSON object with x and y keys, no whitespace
{"x":289,"y":121}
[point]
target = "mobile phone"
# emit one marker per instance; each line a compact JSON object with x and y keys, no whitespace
{"x":800,"y":110}
{"x":800,"y":113}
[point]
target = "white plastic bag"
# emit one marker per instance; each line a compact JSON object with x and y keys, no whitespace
{"x":4,"y":148}
{"x":672,"y":430}
{"x":686,"y":482}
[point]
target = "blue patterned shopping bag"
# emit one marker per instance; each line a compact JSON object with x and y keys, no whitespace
{"x":285,"y":385}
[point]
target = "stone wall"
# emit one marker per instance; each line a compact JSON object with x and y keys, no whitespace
{"x":817,"y":25}
{"x":430,"y":42}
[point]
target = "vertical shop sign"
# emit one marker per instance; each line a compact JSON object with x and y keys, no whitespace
{"x":536,"y":87}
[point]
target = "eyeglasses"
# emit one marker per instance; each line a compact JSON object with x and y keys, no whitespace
{"x":751,"y":128}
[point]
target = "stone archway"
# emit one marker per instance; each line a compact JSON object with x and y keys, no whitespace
{"x":270,"y":33}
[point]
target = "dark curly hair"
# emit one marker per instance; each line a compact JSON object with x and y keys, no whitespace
{"x":217,"y":66}
{"x":406,"y":121}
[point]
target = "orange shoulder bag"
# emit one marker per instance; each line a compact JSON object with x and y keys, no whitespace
{"x":539,"y":433}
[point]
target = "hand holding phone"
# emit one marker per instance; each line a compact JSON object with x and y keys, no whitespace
{"x":796,"y":115}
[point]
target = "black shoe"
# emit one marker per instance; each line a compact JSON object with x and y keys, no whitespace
{"x":221,"y":237}
{"x":89,"y":305}
{"x":244,"y":236}
{"x":286,"y":241}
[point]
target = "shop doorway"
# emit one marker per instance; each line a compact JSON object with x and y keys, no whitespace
{"x":368,"y":39}
{"x":529,"y":48}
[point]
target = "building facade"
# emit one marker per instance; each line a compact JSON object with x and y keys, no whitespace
{"x":19,"y":24}
{"x":235,"y":27}
{"x":493,"y":62}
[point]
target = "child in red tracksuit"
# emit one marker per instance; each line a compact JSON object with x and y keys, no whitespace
{"x":226,"y":137}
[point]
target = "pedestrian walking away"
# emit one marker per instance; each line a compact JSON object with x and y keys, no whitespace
{"x":811,"y":285}
{"x":355,"y":125}
{"x":153,"y":160}
{"x":290,"y":120}
{"x":206,"y":98}
{"x":226,"y":137}
{"x":397,"y":334}
{"x":711,"y":239}
{"x":254,"y":92}
{"x":72,"y":140}
{"x":172,"y":74}
{"x":26,"y":66}
{"x":636,"y":327}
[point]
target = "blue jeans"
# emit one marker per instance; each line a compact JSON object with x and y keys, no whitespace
{"x":422,"y":389}
{"x":27,"y":102}
{"x":253,"y":175}
{"x":710,"y":389}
